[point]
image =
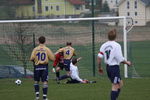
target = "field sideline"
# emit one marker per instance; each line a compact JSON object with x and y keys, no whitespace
{"x":134,"y":89}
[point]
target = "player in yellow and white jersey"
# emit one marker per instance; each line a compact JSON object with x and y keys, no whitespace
{"x":68,"y":52}
{"x":40,"y":57}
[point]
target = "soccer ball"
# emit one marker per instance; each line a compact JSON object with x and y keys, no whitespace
{"x":18,"y":82}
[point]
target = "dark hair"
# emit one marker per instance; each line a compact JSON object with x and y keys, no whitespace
{"x":74,"y":61}
{"x":68,"y":43}
{"x":112,"y":34}
{"x":42,"y":39}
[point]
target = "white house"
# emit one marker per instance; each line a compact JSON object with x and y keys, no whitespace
{"x":112,"y":4}
{"x":139,"y":10}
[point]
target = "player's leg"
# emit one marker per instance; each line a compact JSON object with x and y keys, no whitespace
{"x":113,"y":73}
{"x":57,"y":72}
{"x":119,"y":88}
{"x":67,"y":68}
{"x":114,"y":91}
{"x":72,"y":81}
{"x":45,"y":83}
{"x":36,"y":83}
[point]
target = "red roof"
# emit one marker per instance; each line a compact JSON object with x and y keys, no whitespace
{"x":76,"y":2}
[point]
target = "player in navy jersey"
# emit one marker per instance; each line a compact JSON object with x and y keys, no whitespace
{"x":40,"y":57}
{"x":112,"y":53}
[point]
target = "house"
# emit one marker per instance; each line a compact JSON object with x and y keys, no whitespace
{"x":50,"y":8}
{"x":112,"y":4}
{"x":139,"y":10}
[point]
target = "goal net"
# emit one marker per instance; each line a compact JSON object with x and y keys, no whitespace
{"x":19,"y":37}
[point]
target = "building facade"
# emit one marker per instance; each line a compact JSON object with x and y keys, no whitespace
{"x":112,"y":4}
{"x":51,"y":9}
{"x":139,"y":10}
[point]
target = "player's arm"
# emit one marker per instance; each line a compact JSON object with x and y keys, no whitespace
{"x":56,"y":60}
{"x":51,"y":55}
{"x":74,"y":54}
{"x":32,"y":55}
{"x":126,"y":62}
{"x":121,"y":58}
{"x":79,"y":59}
{"x":99,"y":62}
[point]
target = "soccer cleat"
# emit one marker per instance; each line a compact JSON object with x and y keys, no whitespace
{"x":57,"y":80}
{"x":37,"y":98}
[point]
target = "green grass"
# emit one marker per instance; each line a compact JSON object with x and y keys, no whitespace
{"x":134,"y":89}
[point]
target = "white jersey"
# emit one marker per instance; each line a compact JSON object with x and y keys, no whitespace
{"x":112,"y":53}
{"x":74,"y":72}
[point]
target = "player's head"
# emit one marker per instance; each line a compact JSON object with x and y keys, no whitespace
{"x":74,"y":61}
{"x":112,"y":35}
{"x":42,"y":39}
{"x":68,"y":43}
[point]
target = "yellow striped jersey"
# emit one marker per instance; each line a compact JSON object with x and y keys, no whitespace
{"x":41,"y":55}
{"x":68,"y":52}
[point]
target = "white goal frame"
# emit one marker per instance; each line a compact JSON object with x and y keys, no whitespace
{"x":125,"y":31}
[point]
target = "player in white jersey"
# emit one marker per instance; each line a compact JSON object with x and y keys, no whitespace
{"x":112,"y":53}
{"x":74,"y":72}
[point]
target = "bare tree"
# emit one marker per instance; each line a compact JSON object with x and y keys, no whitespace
{"x":20,"y":43}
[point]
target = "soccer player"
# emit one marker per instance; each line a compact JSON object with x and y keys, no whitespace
{"x":41,"y":56}
{"x":74,"y":72}
{"x":68,"y":52}
{"x":59,"y":62}
{"x":112,"y":53}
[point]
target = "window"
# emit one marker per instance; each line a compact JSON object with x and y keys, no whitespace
{"x":136,"y":22}
{"x":51,"y":7}
{"x":135,"y":4}
{"x":128,"y":4}
{"x":135,"y":13}
{"x":46,"y":8}
{"x":39,"y":6}
{"x":33,"y":9}
{"x":128,"y":13}
{"x":57,"y":8}
{"x":116,"y":1}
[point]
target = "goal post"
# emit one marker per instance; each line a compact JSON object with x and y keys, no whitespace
{"x":54,"y":32}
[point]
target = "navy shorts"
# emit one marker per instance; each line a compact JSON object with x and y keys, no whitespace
{"x":61,"y":65}
{"x":41,"y":73}
{"x":113,"y":73}
{"x":67,"y":64}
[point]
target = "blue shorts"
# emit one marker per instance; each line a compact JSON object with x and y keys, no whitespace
{"x":61,"y":66}
{"x":67,"y":64}
{"x":41,"y":73}
{"x":113,"y":73}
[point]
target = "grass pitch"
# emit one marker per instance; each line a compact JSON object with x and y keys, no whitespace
{"x":134,"y":89}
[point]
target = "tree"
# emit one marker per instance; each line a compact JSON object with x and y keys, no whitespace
{"x":6,"y":10}
{"x":105,"y":7}
{"x":19,"y":42}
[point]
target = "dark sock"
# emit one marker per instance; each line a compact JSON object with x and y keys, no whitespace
{"x":57,"y":74}
{"x":118,"y":93}
{"x":63,"y":77}
{"x":45,"y":89}
{"x":114,"y":95}
{"x":36,"y":87}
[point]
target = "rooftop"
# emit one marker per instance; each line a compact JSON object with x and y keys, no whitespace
{"x":76,"y":2}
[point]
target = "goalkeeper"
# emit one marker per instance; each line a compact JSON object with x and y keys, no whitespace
{"x":59,"y":57}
